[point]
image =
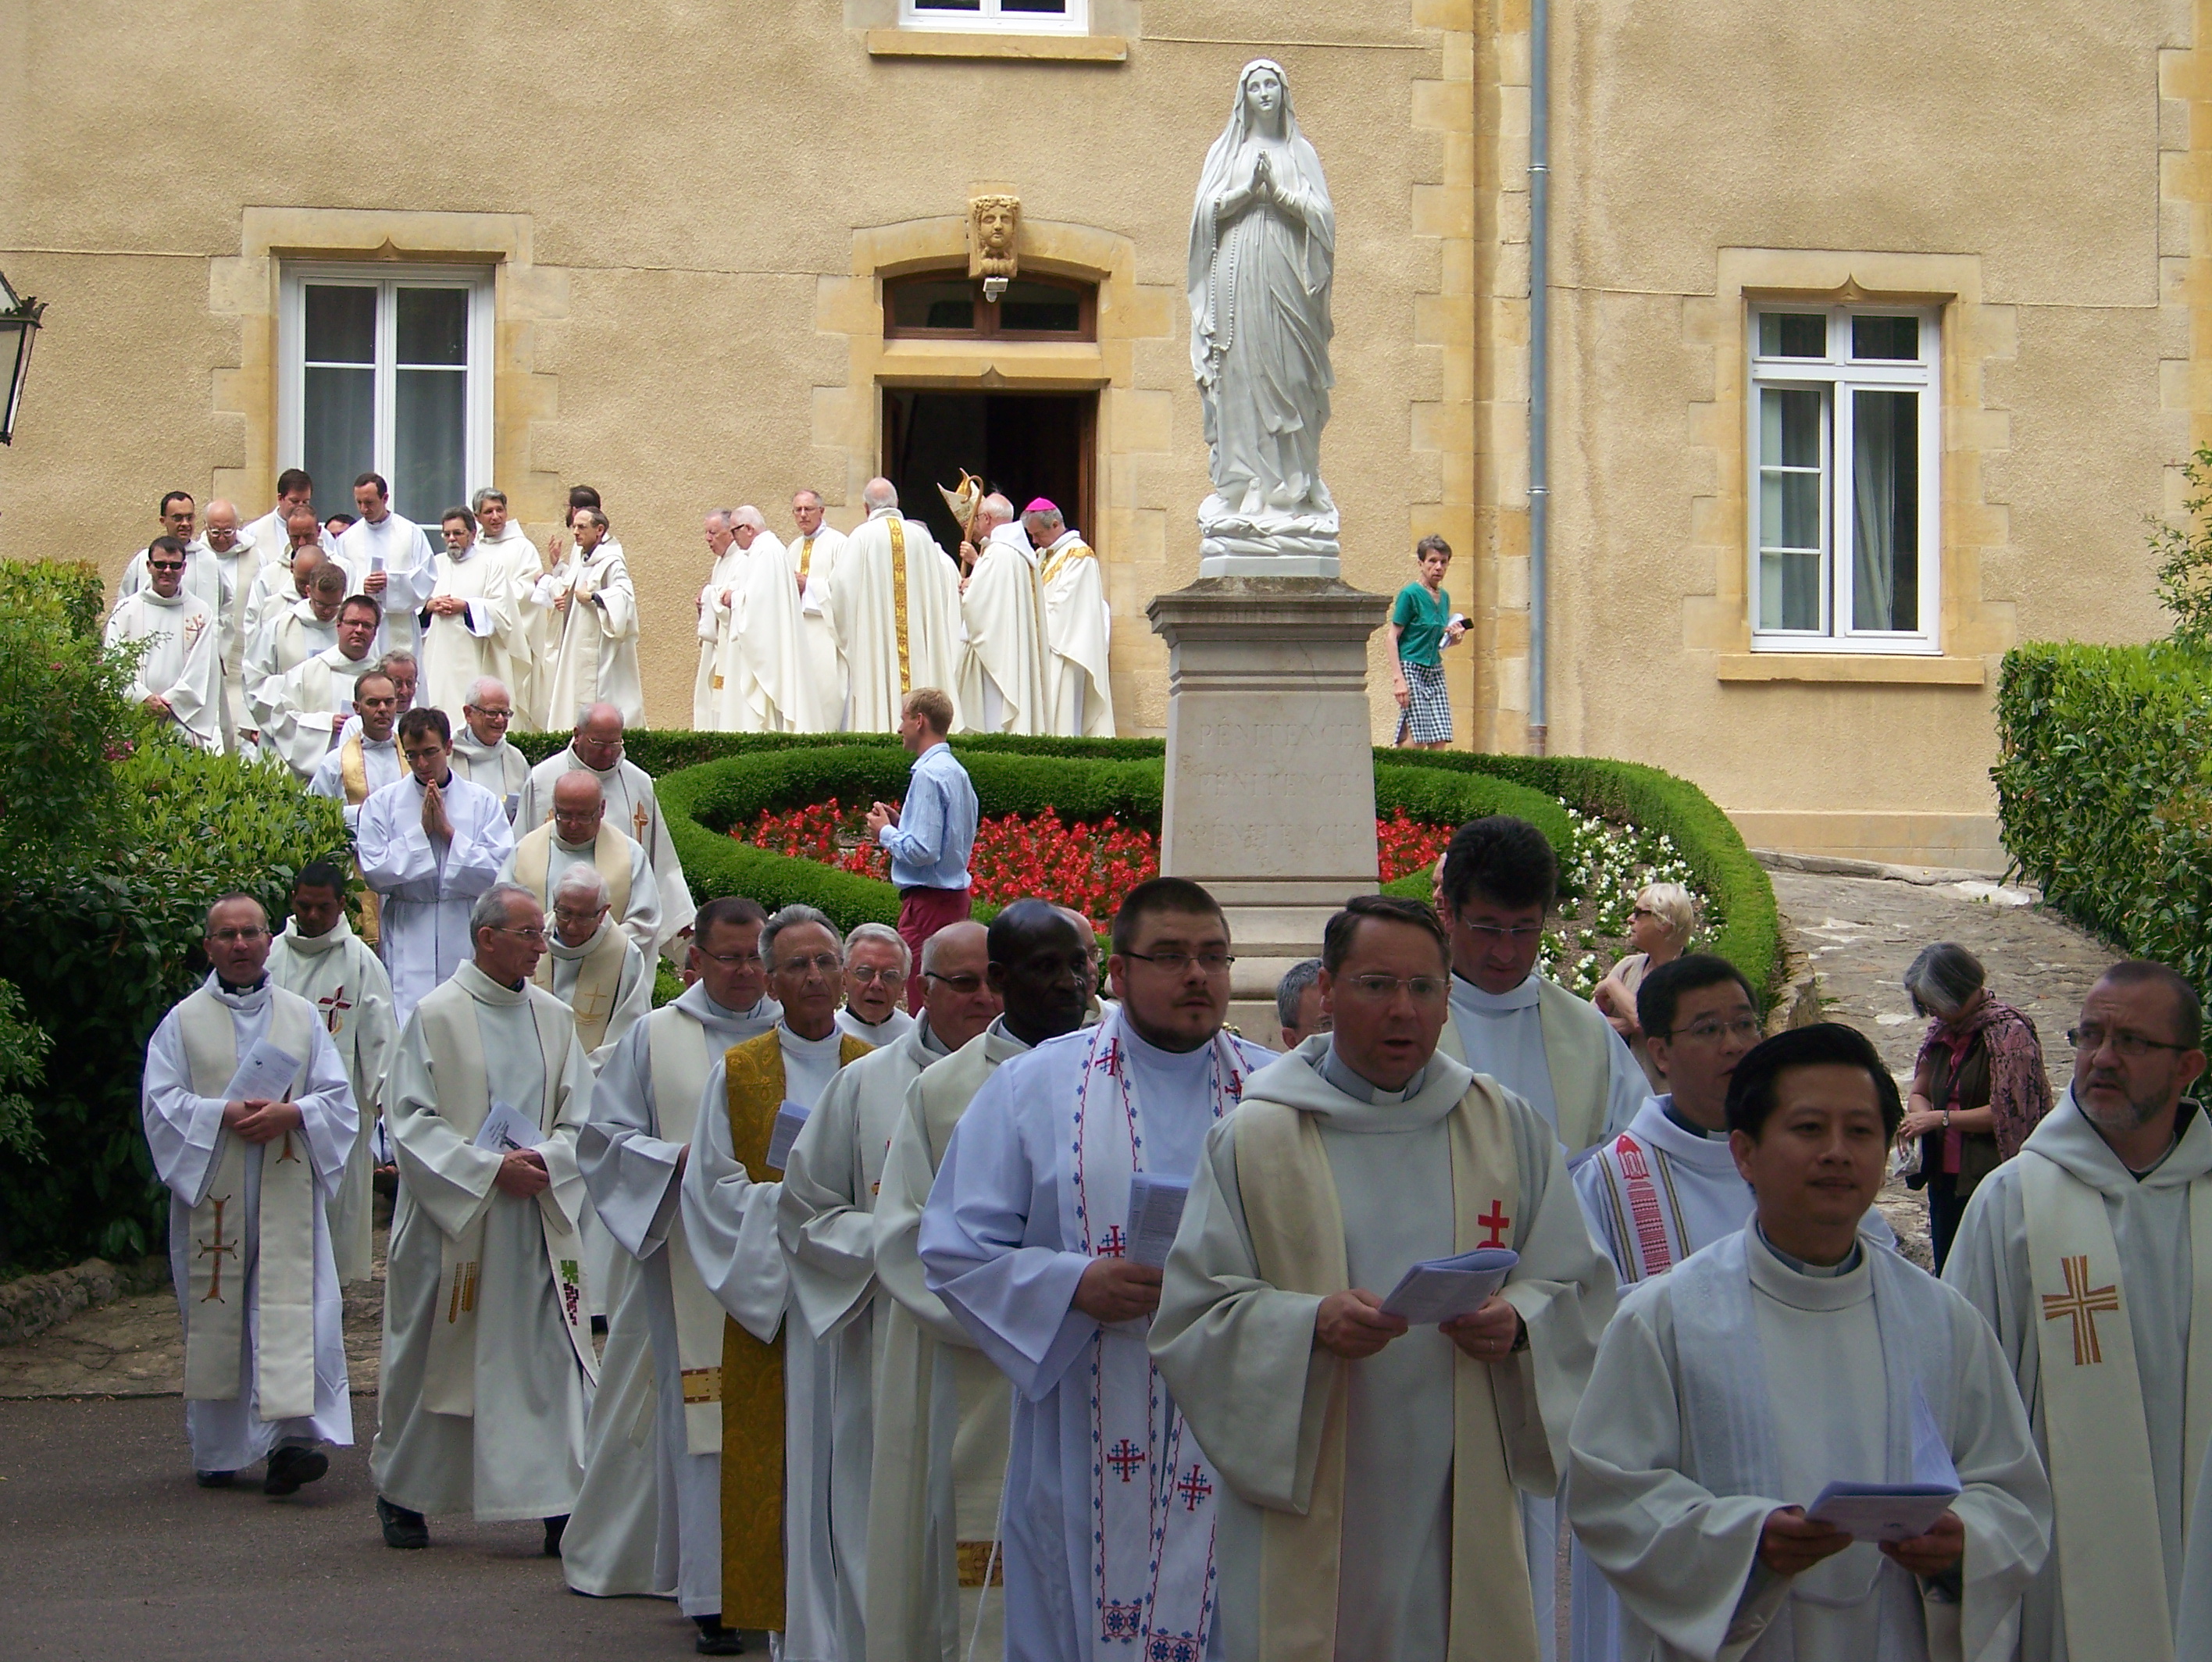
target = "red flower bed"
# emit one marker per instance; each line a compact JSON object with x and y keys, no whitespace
{"x":1088,"y":867}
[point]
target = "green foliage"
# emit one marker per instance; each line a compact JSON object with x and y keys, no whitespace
{"x":73,"y":587}
{"x":63,"y":718}
{"x":23,"y":1047}
{"x":2105,"y":790}
{"x":2184,"y":559}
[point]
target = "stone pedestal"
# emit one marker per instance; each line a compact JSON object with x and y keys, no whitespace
{"x":1270,"y":799}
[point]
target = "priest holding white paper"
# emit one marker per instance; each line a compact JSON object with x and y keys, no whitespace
{"x":2090,"y":1253}
{"x":1371,"y":1467}
{"x":250,"y":1121}
{"x":1736,"y":1395}
{"x":1025,"y":1239}
{"x":391,"y":557}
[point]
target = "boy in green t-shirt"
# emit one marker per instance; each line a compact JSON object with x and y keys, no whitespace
{"x":1422,"y":624}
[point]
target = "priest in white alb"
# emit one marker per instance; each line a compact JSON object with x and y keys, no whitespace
{"x":429,"y":845}
{"x":366,"y":757}
{"x":250,"y":1181}
{"x":591,"y":965}
{"x":472,"y":608}
{"x":390,"y":557}
{"x":778,"y":1573}
{"x":721,"y":593}
{"x":179,"y":676}
{"x":318,"y":957}
{"x":295,"y":495}
{"x":597,"y":749}
{"x":632,"y":1152}
{"x":239,"y":562}
{"x":941,"y":1408}
{"x":878,"y":965}
{"x":581,"y":834}
{"x":2090,"y":1254}
{"x":768,"y":679}
{"x":820,"y":671}
{"x":594,"y":657}
{"x":1001,"y":687}
{"x":204,"y":574}
{"x":488,"y":1359}
{"x":1730,"y":1393}
{"x":1025,"y":1239}
{"x":282,"y":580}
{"x":481,"y":753}
{"x":830,"y":1182}
{"x":497,"y":534}
{"x":894,"y":606}
{"x":295,"y":632}
{"x":302,"y":710}
{"x":1076,"y":625}
{"x":1368,"y":1470}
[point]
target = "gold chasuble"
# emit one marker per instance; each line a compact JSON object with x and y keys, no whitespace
{"x":752,"y":1372}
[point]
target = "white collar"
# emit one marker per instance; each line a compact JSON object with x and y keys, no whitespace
{"x":1524,"y":997}
{"x":793,"y":1041}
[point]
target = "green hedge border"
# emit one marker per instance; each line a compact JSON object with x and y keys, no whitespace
{"x":709,"y":781}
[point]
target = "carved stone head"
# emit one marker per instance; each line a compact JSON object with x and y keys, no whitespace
{"x":992,"y":222}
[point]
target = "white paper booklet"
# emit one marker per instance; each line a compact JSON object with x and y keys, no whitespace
{"x":1882,"y":1512}
{"x":1155,"y":1210}
{"x":506,"y":1128}
{"x":790,"y":1120}
{"x":262,"y":1076}
{"x":1443,"y":1289}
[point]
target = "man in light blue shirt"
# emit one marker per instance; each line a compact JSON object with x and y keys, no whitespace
{"x":930,"y":836}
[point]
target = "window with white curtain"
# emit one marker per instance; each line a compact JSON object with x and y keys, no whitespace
{"x":388,"y":373}
{"x":1845,"y":518}
{"x":1011,"y":16}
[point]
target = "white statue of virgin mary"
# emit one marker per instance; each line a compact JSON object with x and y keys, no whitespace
{"x":1262,"y":256}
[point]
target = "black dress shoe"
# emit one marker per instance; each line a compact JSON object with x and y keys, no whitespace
{"x":715,"y":1640}
{"x":554,"y":1527}
{"x":291,"y":1467}
{"x":214,"y":1479}
{"x":402,"y":1528}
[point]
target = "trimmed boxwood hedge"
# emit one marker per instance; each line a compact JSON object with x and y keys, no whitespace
{"x":749,"y":773}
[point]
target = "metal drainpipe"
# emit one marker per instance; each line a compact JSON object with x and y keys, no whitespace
{"x":1540,"y":367}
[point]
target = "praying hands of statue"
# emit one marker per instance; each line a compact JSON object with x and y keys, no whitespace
{"x":1114,"y":1289}
{"x":522,"y":1174}
{"x":1354,"y":1324}
{"x":1491,"y":1334}
{"x":881,"y":815}
{"x":435,"y":823}
{"x":259,"y":1120}
{"x":1789,"y":1542}
{"x":1939,"y":1549}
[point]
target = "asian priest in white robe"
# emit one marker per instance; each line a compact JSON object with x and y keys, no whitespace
{"x":481,"y":753}
{"x":720,"y":601}
{"x":1001,"y":686}
{"x":1730,"y":1392}
{"x":581,"y":834}
{"x":818,"y":676}
{"x":390,"y":557}
{"x":472,"y":607}
{"x":597,"y":749}
{"x":318,"y":957}
{"x":367,"y":756}
{"x":1025,"y":1239}
{"x":2090,"y":1253}
{"x":179,"y":676}
{"x":632,"y":1152}
{"x":1367,"y":1471}
{"x":302,"y":711}
{"x":878,"y":966}
{"x":941,"y":1407}
{"x":594,"y":658}
{"x":430,"y":845}
{"x":826,"y":1215}
{"x":251,"y":1180}
{"x":1078,"y":627}
{"x":489,"y":1365}
{"x":779,"y":1572}
{"x":894,"y":605}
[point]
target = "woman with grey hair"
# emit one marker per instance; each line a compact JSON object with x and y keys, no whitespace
{"x":1978,"y":1085}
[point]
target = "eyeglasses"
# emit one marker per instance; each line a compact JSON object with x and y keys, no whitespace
{"x":537,"y":935}
{"x":1377,"y":989}
{"x":963,"y":984}
{"x":568,"y":916}
{"x":2132,"y":1047}
{"x":732,"y":960}
{"x":825,"y":962}
{"x":1518,"y":934}
{"x":1176,"y":963}
{"x":231,"y":936}
{"x":1744,"y":1027}
{"x":165,"y":565}
{"x":489,"y":715}
{"x":869,"y":977}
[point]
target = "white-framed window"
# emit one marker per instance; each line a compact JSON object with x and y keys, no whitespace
{"x":388,"y":371}
{"x":1009,"y":16}
{"x":1846,"y":501}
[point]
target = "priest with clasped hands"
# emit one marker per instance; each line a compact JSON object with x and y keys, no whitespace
{"x":1372,"y":1471}
{"x":1796,"y":1353}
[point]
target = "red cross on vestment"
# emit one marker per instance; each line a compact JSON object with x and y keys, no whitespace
{"x":1192,"y":1487}
{"x":1125,"y":1457}
{"x":1497,"y":1223}
{"x":334,"y":1007}
{"x":1115,"y":1243}
{"x":2082,"y":1304}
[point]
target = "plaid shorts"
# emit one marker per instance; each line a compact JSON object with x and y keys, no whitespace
{"x":1428,"y":716}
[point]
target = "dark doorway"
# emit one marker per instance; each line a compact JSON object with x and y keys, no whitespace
{"x":1024,"y":445}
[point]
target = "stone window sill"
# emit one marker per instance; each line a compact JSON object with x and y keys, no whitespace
{"x":1854,"y":667}
{"x":1042,"y":48}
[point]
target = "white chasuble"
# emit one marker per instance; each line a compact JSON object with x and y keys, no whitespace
{"x":771,"y":680}
{"x":399,"y":549}
{"x":1371,"y":1509}
{"x":721,"y":604}
{"x":941,"y":1408}
{"x":1554,"y":1051}
{"x":644,"y":1110}
{"x":1078,"y":627}
{"x":632,"y":807}
{"x":826,"y":1217}
{"x":181,"y":663}
{"x":345,"y":982}
{"x":541,"y":859}
{"x":2097,"y":1283}
{"x":595,"y":657}
{"x":249,"y":1238}
{"x":894,"y":606}
{"x":487,"y":1374}
{"x":1001,"y":680}
{"x":1034,"y":1185}
{"x":460,"y":650}
{"x":500,"y":768}
{"x":425,"y":887}
{"x":1738,"y":1383}
{"x":523,"y":567}
{"x":824,"y":703}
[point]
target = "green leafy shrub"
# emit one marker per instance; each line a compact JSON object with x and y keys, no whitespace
{"x":2184,"y":558}
{"x":23,"y":1048}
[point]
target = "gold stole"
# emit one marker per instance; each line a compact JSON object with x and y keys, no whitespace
{"x":1297,"y":1226}
{"x":898,"y":600}
{"x":1066,"y":557}
{"x":533,"y":859}
{"x":353,"y":775}
{"x":215,"y":1321}
{"x":806,"y":558}
{"x":752,"y":1372}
